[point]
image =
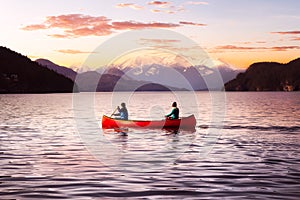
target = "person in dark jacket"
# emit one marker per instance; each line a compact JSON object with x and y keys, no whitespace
{"x":174,"y":114}
{"x":123,"y":113}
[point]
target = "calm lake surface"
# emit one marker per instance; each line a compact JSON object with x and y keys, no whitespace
{"x":245,"y":146}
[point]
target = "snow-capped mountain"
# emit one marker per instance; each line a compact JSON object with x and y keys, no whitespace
{"x":150,"y":58}
{"x":191,"y":78}
{"x":170,"y":69}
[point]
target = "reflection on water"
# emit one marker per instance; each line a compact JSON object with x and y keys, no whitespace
{"x":256,"y":155}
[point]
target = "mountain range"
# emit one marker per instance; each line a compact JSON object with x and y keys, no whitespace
{"x":149,"y":77}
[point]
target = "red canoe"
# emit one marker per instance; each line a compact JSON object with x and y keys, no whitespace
{"x":184,"y":122}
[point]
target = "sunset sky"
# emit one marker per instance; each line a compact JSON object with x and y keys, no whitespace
{"x":236,"y":32}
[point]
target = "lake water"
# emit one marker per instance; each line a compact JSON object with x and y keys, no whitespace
{"x":246,"y":146}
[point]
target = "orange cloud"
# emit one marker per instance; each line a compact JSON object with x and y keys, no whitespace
{"x":156,"y":11}
{"x":287,"y":32}
{"x":59,"y":36}
{"x":72,"y":51}
{"x":129,"y":5}
{"x":261,"y":42}
{"x":192,"y":23}
{"x":170,"y":12}
{"x":159,"y":3}
{"x":296,"y":39}
{"x":77,"y":25}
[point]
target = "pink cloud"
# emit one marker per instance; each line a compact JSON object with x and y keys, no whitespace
{"x":233,"y":47}
{"x":171,"y":10}
{"x":77,"y":25}
{"x":163,"y":11}
{"x":72,"y":21}
{"x":159,"y":3}
{"x":252,"y":42}
{"x":129,"y":5}
{"x":176,"y":8}
{"x":287,"y":32}
{"x":197,"y":3}
{"x":244,"y":48}
{"x":166,"y":7}
{"x":159,"y":41}
{"x":72,"y":51}
{"x":98,"y":30}
{"x":34,"y":27}
{"x":192,"y":23}
{"x":139,"y":25}
{"x":284,"y":48}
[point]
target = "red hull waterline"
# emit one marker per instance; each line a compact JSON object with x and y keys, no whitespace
{"x":184,"y":123}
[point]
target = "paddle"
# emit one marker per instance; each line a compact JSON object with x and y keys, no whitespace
{"x":114,"y":112}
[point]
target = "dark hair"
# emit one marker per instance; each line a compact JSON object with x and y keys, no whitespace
{"x":174,"y":104}
{"x":123,"y":104}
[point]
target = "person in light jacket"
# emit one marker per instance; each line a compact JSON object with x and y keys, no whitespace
{"x":123,"y":113}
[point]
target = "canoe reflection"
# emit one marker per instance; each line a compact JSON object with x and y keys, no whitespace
{"x":125,"y":131}
{"x":122,"y":131}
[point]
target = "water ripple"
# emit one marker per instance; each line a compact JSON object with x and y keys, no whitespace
{"x":44,"y":158}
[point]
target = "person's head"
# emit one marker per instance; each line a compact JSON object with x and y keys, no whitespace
{"x":174,"y":104}
{"x":123,"y":105}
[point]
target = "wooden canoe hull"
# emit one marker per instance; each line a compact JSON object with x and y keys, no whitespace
{"x":185,"y":122}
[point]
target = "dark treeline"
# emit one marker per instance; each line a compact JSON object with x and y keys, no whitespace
{"x":18,"y":74}
{"x":268,"y":76}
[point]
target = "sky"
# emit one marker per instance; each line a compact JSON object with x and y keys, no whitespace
{"x":234,"y":32}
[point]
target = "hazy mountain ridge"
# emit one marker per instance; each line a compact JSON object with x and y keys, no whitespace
{"x":268,"y":76}
{"x":105,"y":79}
{"x":93,"y":81}
{"x":128,"y":77}
{"x":67,"y":72}
{"x":19,"y":74}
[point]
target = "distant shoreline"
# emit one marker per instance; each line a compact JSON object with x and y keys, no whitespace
{"x":41,"y":93}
